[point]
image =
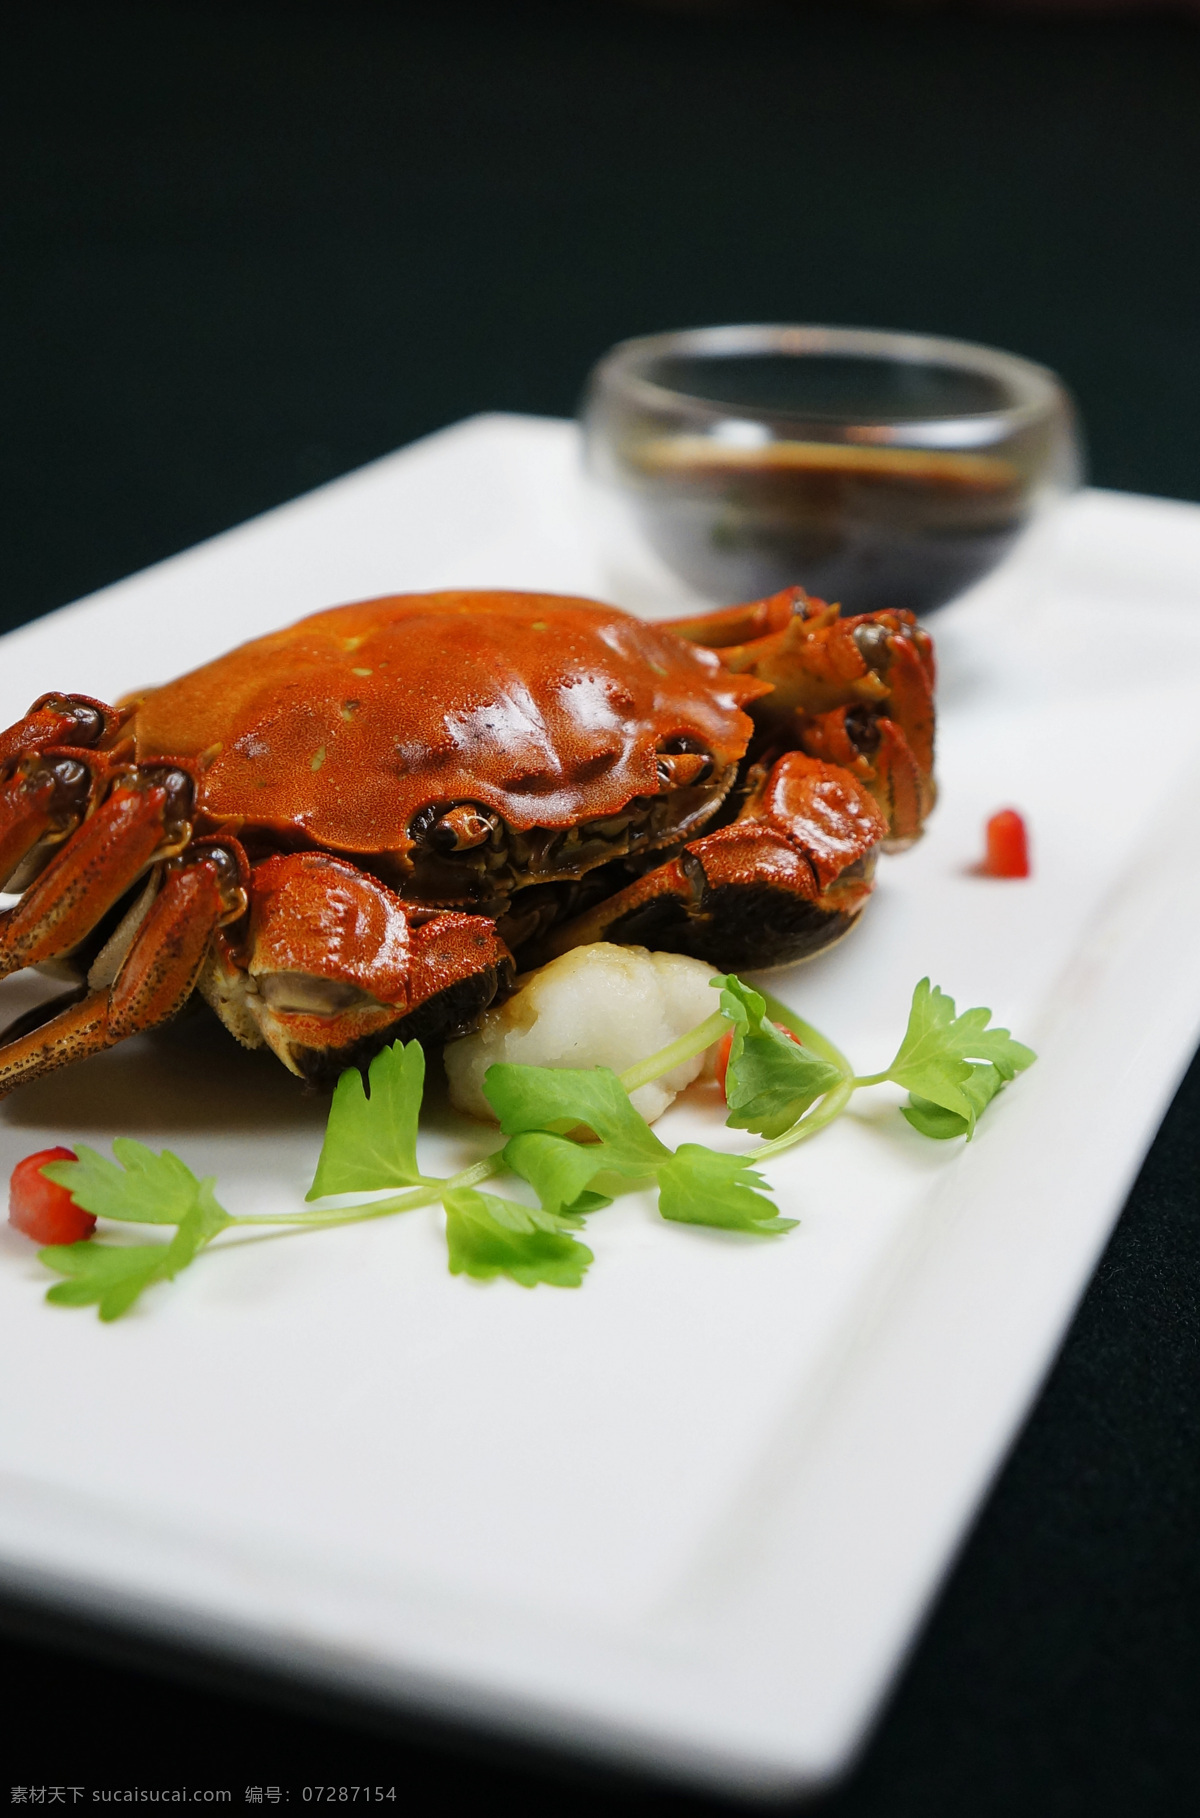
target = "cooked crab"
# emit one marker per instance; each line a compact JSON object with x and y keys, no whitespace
{"x":345,"y":832}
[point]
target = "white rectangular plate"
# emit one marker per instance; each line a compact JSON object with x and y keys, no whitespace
{"x":690,"y":1515}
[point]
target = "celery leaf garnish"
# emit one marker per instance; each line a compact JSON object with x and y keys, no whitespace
{"x":696,"y":1186}
{"x":936,"y":1121}
{"x":489,"y":1236}
{"x":770,"y":1082}
{"x":559,"y":1171}
{"x":934,"y":1059}
{"x":371,"y":1142}
{"x":561,"y":1099}
{"x":146,"y":1189}
{"x":112,"y":1276}
{"x":700,"y":1186}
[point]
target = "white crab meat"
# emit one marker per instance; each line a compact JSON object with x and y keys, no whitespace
{"x":597,"y":1006}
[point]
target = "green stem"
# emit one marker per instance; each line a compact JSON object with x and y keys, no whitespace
{"x":823,"y":1113}
{"x":480,"y":1170}
{"x":871,"y":1079}
{"x":694,"y":1042}
{"x":423,"y":1195}
{"x":345,"y":1215}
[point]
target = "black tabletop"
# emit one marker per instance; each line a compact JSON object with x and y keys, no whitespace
{"x":247,"y":247}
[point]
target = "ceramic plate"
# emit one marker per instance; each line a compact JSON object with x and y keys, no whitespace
{"x":689,"y":1516}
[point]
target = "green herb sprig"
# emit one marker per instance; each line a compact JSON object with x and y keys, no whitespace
{"x":573,"y":1137}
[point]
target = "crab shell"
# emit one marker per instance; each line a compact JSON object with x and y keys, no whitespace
{"x":345,"y":831}
{"x":339,"y":731}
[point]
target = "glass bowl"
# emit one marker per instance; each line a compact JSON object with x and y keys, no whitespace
{"x":872,"y":468}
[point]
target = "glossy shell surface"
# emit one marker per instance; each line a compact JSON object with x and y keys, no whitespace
{"x":339,"y":730}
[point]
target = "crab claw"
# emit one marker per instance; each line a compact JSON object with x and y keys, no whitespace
{"x":854,"y":691}
{"x":782,"y":882}
{"x":333,"y":964}
{"x":875,"y":749}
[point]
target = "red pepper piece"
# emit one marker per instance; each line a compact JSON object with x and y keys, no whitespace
{"x":1007,"y":846}
{"x":41,"y":1208}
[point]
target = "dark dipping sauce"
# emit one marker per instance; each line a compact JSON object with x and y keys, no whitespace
{"x":871,"y":527}
{"x":858,"y":520}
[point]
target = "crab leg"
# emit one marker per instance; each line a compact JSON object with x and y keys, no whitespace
{"x":147,"y":971}
{"x":734,"y":627}
{"x":784,"y":880}
{"x":910,"y":679}
{"x":145,"y":817}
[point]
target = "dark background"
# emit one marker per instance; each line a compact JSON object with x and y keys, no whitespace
{"x":247,"y":247}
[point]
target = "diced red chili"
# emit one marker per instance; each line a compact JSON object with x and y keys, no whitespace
{"x":721,"y":1064}
{"x":41,"y":1208}
{"x":1007,"y":846}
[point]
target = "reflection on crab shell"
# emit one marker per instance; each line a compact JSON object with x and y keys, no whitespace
{"x":354,"y":829}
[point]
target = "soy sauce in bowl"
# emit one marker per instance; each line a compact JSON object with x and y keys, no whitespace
{"x":875,"y":469}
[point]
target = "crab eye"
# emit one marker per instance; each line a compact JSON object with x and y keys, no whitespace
{"x":872,"y":643}
{"x":862,"y":729}
{"x":72,"y":782}
{"x":683,"y":762}
{"x":457,"y":829}
{"x":230,"y":876}
{"x":89,"y":723}
{"x":223,"y":863}
{"x":178,"y":786}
